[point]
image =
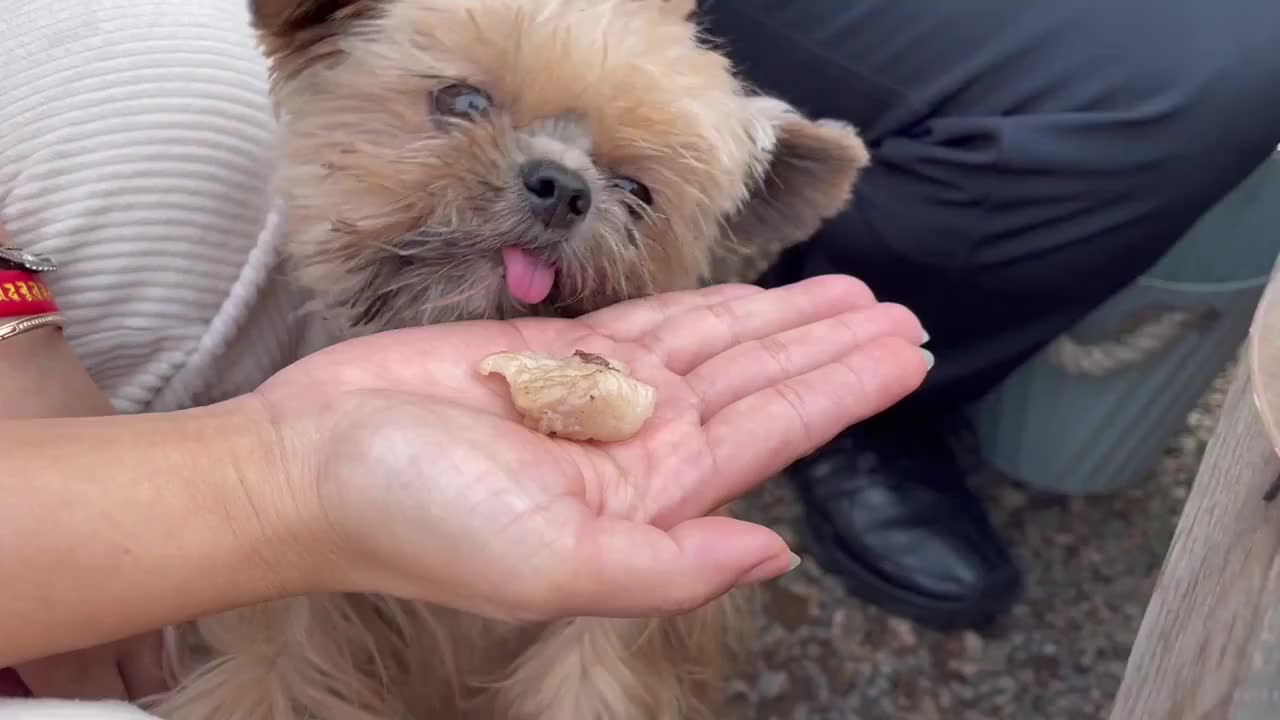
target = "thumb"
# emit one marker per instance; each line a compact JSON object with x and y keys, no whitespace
{"x":621,"y":568}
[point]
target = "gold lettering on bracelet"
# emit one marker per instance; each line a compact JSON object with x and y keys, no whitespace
{"x":24,"y":291}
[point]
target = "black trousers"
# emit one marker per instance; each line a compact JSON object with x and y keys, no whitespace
{"x":1030,"y":157}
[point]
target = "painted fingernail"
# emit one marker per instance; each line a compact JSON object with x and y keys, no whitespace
{"x":928,"y":359}
{"x":924,"y":336}
{"x":763,"y":573}
{"x":793,"y":563}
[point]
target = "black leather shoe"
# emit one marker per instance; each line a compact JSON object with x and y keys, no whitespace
{"x":890,"y":513}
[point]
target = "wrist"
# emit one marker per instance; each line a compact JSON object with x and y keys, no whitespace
{"x":268,"y":493}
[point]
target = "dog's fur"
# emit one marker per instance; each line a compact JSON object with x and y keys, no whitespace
{"x":398,"y":216}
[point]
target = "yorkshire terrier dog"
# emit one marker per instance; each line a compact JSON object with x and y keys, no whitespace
{"x":459,"y":159}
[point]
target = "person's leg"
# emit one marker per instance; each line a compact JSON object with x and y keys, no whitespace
{"x":1029,"y":160}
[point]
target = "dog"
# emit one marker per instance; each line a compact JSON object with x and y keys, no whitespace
{"x":461,"y":159}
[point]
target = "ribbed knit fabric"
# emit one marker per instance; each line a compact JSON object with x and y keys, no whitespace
{"x":136,"y":149}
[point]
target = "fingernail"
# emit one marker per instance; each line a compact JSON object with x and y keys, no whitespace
{"x":924,"y":336}
{"x":768,"y":570}
{"x":928,"y":359}
{"x":793,"y":563}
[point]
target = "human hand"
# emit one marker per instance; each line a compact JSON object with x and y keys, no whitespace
{"x":431,"y":488}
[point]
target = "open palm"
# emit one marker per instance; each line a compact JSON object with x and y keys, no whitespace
{"x":423,"y":452}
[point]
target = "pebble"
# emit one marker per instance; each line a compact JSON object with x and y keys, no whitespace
{"x":1089,"y":563}
{"x":973,"y":643}
{"x":771,"y":685}
{"x":904,"y":632}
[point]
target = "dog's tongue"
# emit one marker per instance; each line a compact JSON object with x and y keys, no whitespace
{"x":529,"y":280}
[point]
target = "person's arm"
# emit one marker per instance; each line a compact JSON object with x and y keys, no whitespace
{"x":165,"y":502}
{"x":43,"y":378}
{"x":119,"y":493}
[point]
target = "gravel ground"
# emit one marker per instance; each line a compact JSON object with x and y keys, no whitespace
{"x":1090,"y":565}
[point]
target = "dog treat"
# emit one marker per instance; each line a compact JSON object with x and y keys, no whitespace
{"x":581,"y":397}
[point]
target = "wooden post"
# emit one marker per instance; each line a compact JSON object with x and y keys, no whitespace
{"x":1209,"y":644}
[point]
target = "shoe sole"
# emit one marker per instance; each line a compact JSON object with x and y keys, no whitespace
{"x":930,"y":612}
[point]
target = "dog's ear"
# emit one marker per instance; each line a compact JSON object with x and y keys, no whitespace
{"x":807,"y":178}
{"x":288,"y":26}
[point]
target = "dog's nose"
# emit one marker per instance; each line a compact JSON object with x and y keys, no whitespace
{"x":558,"y":196}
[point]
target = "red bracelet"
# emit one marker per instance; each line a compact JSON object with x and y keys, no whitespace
{"x":22,"y":294}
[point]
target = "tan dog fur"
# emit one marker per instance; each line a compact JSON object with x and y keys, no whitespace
{"x":398,"y":218}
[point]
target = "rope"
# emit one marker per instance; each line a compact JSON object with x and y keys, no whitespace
{"x":1146,"y":334}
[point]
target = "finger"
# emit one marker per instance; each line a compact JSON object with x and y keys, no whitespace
{"x":626,"y":569}
{"x":89,"y":674}
{"x":756,"y":437}
{"x":758,"y":364}
{"x":629,"y":320}
{"x":690,"y":339}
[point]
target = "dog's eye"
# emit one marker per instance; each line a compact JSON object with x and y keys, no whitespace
{"x":637,"y":189}
{"x":460,"y":100}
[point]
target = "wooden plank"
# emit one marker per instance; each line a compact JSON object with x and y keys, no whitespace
{"x":1258,"y":697}
{"x":1209,"y":644}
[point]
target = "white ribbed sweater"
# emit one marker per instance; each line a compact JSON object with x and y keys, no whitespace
{"x":136,"y":149}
